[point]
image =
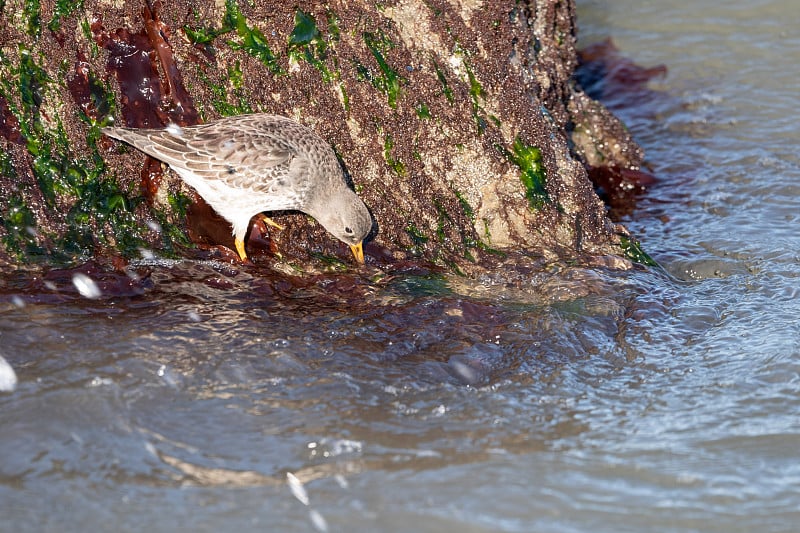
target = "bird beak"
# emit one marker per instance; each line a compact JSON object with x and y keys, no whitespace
{"x":358,"y":252}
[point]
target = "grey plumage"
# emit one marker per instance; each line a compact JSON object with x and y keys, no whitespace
{"x":249,"y":164}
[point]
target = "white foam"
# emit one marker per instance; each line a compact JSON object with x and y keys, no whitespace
{"x":8,"y":378}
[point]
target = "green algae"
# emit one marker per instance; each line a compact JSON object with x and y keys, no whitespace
{"x":306,"y":42}
{"x":100,"y":109}
{"x":388,"y":82}
{"x":468,"y":240}
{"x":532,"y":172}
{"x":228,"y":100}
{"x":420,"y":286}
{"x":305,"y":30}
{"x":19,"y":223}
{"x":417,"y":237}
{"x":62,"y":10}
{"x":395,"y":164}
{"x":442,"y":220}
{"x":85,"y":206}
{"x":468,"y":210}
{"x":633,"y":251}
{"x":476,"y":94}
{"x":333,"y":26}
{"x":32,"y":12}
{"x":16,"y":218}
{"x":446,"y":90}
{"x":250,"y":39}
{"x":422,"y":111}
{"x":331,"y":263}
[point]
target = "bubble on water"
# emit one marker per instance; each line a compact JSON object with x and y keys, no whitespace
{"x":17,"y":301}
{"x":281,"y":343}
{"x":50,"y":285}
{"x":317,"y":520}
{"x":8,"y":378}
{"x":99,"y":382}
{"x":161,"y":371}
{"x":427,"y":453}
{"x":336,"y":447}
{"x":297,"y":488}
{"x":440,"y":410}
{"x":194,"y":316}
{"x":86,"y":286}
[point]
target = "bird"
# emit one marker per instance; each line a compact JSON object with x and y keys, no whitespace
{"x":246,"y":165}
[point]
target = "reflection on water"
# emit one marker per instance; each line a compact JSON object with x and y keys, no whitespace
{"x":198,"y":396}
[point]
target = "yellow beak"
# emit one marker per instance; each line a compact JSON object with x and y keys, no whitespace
{"x":358,"y":252}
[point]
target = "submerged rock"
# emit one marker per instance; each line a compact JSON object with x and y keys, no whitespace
{"x":459,"y":124}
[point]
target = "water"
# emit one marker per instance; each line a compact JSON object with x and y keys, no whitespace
{"x":202,"y":398}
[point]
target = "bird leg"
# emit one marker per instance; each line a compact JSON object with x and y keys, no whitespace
{"x":269,"y":221}
{"x":240,"y":248}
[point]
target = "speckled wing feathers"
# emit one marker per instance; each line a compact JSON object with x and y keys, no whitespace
{"x":238,"y":157}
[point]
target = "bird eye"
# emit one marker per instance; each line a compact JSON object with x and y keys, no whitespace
{"x":348,"y":231}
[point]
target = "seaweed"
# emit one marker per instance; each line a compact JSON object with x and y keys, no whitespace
{"x":395,"y":164}
{"x":220,"y":97}
{"x":32,"y":11}
{"x":251,"y":40}
{"x":446,"y":90}
{"x":388,"y":82}
{"x":533,"y":174}
{"x":306,"y":42}
{"x":633,"y":250}
{"x":76,"y":191}
{"x":417,"y":237}
{"x":63,"y":9}
{"x":422,"y":111}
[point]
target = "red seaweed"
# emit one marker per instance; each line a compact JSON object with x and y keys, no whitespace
{"x":607,"y":75}
{"x":181,"y":109}
{"x":9,"y":125}
{"x":619,"y":187}
{"x":150,"y":98}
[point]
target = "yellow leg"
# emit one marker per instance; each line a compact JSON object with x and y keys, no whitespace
{"x":270,"y":222}
{"x":240,"y":248}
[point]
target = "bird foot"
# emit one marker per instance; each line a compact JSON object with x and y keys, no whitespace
{"x":270,"y":222}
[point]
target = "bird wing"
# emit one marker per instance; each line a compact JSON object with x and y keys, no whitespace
{"x":219,"y":151}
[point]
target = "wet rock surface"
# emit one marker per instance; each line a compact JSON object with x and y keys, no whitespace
{"x":459,"y":124}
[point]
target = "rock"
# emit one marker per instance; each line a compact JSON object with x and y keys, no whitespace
{"x":453,"y":119}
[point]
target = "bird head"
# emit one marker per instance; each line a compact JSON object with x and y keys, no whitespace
{"x":346,"y":217}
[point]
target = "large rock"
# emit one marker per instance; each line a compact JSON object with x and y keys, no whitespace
{"x":453,"y":119}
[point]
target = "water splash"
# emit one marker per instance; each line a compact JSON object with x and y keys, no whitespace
{"x":297,"y":488}
{"x":86,"y":286}
{"x":8,"y":378}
